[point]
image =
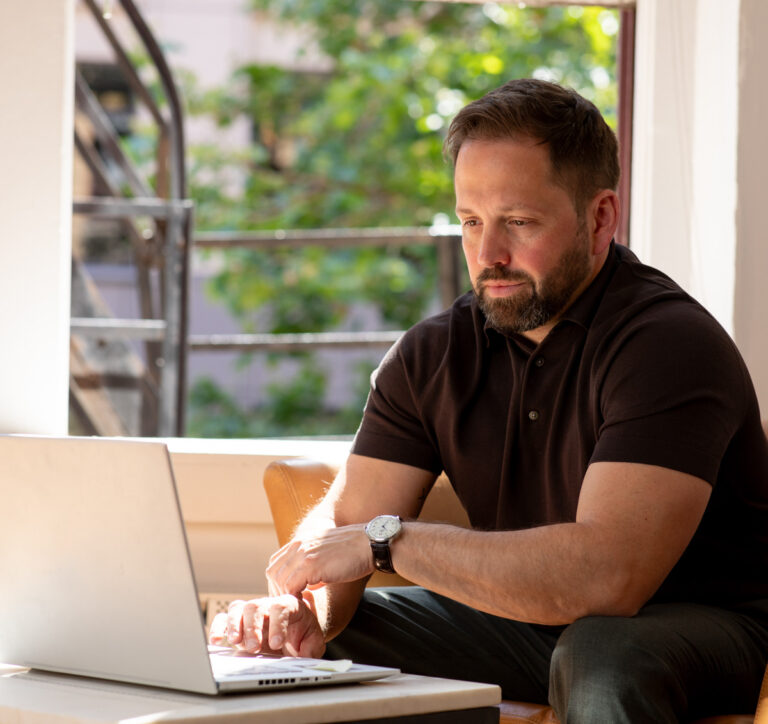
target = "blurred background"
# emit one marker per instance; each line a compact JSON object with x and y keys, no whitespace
{"x":321,"y":218}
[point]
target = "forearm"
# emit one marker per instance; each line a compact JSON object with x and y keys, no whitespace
{"x":633,"y":523}
{"x":551,"y":575}
{"x":334,"y":604}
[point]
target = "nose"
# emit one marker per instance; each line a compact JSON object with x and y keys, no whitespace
{"x":494,"y":249}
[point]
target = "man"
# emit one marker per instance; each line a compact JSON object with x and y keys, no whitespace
{"x":600,"y":429}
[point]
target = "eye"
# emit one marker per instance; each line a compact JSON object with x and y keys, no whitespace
{"x":470,"y":222}
{"x":519,"y":222}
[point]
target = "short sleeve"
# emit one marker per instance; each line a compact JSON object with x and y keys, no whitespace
{"x":392,"y":427}
{"x":672,"y":393}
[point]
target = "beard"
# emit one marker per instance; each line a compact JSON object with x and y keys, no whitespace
{"x":539,"y":303}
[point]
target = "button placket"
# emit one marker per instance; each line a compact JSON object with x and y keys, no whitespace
{"x":534,"y":414}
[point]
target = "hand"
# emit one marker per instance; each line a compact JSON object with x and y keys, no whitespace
{"x":277,"y":624}
{"x":335,"y":555}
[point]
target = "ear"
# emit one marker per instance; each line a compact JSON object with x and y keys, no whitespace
{"x":602,"y":219}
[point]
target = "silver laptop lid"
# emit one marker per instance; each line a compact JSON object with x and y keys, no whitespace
{"x":95,"y":570}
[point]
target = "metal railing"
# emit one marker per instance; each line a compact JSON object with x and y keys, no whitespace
{"x":163,"y":326}
{"x":446,"y":239}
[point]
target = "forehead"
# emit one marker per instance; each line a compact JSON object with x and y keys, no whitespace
{"x":514,"y":155}
{"x":519,"y":168}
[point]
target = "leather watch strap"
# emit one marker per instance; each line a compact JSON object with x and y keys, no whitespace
{"x":382,"y":557}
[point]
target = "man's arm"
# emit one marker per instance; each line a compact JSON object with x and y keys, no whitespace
{"x":298,"y":618}
{"x":633,"y":523}
{"x":363,"y":489}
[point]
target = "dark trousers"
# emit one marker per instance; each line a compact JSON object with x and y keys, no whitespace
{"x":669,"y":663}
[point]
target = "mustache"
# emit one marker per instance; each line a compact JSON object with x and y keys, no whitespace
{"x":498,"y":273}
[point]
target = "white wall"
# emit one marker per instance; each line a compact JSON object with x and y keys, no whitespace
{"x":699,"y":159}
{"x":36,"y":67}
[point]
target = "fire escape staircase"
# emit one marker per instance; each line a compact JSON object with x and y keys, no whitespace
{"x":160,"y":248}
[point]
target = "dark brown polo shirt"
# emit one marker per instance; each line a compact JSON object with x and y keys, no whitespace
{"x":635,"y":371}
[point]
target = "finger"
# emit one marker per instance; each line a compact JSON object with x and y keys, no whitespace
{"x":253,"y":621}
{"x":285,"y":569}
{"x":305,"y":638}
{"x":218,"y":632}
{"x":235,"y":622}
{"x":312,"y":646}
{"x":288,"y":573}
{"x":276,"y":570}
{"x":280,"y":613}
{"x":281,"y":553}
{"x":279,"y":578}
{"x":272,"y":585}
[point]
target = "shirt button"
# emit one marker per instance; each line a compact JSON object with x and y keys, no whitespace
{"x":533,"y":415}
{"x":539,"y":362}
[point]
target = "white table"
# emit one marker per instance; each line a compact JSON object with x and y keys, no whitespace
{"x":33,"y":697}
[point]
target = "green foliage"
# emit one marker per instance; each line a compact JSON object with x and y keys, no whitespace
{"x":358,"y":143}
{"x":214,"y":413}
{"x":295,"y":407}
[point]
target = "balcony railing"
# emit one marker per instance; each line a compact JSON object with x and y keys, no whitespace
{"x":447,"y":242}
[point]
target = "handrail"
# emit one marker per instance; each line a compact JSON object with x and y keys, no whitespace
{"x":291,"y":342}
{"x":175,"y":124}
{"x":144,"y":329}
{"x":121,"y":208}
{"x":88,"y":103}
{"x":176,"y":271}
{"x":172,"y":212}
{"x":329,"y":238}
{"x":445,"y":237}
{"x":375,"y":234}
{"x":125,"y":63}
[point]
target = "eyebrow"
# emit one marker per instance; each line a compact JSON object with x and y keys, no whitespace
{"x":505,"y":210}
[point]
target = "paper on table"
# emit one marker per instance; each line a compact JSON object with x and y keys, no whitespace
{"x":339,"y":666}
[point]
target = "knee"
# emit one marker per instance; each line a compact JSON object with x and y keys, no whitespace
{"x":590,"y":649}
{"x":608,"y":669}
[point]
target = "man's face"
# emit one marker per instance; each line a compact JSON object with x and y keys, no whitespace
{"x":528,"y":252}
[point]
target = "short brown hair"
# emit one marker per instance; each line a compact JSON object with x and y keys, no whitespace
{"x":582,"y":147}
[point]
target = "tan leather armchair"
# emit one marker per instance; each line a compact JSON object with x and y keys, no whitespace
{"x":293,"y":487}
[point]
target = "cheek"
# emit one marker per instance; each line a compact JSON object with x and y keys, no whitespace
{"x":470,"y":256}
{"x":539,"y":256}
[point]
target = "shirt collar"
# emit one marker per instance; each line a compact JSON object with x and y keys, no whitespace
{"x":583,"y":310}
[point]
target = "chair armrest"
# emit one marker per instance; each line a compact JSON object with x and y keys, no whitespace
{"x":293,"y":488}
{"x":761,"y":715}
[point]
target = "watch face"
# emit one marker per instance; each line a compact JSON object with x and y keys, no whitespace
{"x":383,"y":527}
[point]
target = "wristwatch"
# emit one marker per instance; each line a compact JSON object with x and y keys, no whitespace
{"x":381,"y":530}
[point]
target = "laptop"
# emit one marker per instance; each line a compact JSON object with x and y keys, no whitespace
{"x":97,"y":579}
